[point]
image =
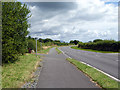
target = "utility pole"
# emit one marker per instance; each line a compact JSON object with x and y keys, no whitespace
{"x":36,"y":46}
{"x":41,"y":45}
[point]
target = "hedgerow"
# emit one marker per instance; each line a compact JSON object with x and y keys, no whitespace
{"x":102,"y":45}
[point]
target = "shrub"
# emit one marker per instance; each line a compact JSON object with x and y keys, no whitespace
{"x":32,"y":44}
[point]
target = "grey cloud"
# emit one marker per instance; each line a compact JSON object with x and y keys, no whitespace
{"x":54,"y":6}
{"x":64,"y":25}
{"x":47,"y":10}
{"x":51,"y":31}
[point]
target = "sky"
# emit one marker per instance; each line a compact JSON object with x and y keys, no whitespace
{"x":85,"y":20}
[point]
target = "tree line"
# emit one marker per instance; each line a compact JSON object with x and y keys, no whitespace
{"x":45,"y":42}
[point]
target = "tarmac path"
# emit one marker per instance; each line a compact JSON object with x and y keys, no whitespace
{"x":57,"y":72}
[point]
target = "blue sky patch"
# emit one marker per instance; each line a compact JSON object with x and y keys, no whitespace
{"x":115,"y":3}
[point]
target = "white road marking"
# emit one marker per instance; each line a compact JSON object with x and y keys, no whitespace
{"x":116,"y":60}
{"x":65,"y":54}
{"x":94,"y":67}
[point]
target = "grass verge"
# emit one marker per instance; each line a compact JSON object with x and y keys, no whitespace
{"x":59,"y":52}
{"x":45,"y":51}
{"x":75,"y":47}
{"x":0,"y":77}
{"x":14,"y":75}
{"x":103,"y":80}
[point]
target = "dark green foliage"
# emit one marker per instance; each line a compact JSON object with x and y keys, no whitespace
{"x":96,"y":40}
{"x":29,"y":37}
{"x":14,"y":30}
{"x":41,"y":40}
{"x":74,"y":42}
{"x":49,"y":42}
{"x":46,"y":42}
{"x":32,"y":44}
{"x":102,"y":45}
{"x":0,"y":32}
{"x":57,"y":42}
{"x":71,"y":41}
{"x":61,"y":44}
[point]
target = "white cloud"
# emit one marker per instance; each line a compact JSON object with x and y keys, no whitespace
{"x":91,"y":19}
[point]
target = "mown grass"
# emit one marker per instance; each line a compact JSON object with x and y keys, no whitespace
{"x":103,"y":80}
{"x":75,"y":47}
{"x":14,"y":75}
{"x":58,"y":51}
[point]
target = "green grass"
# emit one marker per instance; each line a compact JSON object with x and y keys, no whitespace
{"x":14,"y":75}
{"x":59,"y":52}
{"x":45,"y":51}
{"x":0,"y":77}
{"x":75,"y":47}
{"x":103,"y":80}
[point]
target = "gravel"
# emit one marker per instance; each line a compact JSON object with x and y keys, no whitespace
{"x":33,"y":82}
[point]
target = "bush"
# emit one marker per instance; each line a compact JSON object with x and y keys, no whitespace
{"x":32,"y":44}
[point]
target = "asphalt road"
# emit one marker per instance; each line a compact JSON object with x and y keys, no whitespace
{"x":107,"y":62}
{"x":57,"y":72}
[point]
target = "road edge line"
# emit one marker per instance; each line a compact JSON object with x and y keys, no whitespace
{"x":93,"y":67}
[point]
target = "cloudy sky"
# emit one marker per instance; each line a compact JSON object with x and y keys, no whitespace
{"x":85,"y":20}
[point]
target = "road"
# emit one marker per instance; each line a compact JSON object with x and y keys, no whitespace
{"x":57,"y":72}
{"x":107,"y":62}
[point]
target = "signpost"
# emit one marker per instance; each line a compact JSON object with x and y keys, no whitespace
{"x":41,"y":45}
{"x":36,"y":46}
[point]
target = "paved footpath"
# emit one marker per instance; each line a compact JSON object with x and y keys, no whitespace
{"x":57,"y":72}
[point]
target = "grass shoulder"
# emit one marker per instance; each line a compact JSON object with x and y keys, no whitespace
{"x":59,"y":52}
{"x":0,"y":77}
{"x":102,"y":80}
{"x":45,"y":49}
{"x":14,"y":75}
{"x":75,"y":47}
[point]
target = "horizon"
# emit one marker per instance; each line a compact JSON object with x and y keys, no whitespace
{"x":73,"y":39}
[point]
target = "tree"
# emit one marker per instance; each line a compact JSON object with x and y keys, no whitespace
{"x":29,"y":37}
{"x":74,"y":42}
{"x":40,"y":40}
{"x":96,"y":40}
{"x":48,"y":40}
{"x":0,"y":30}
{"x":71,"y":41}
{"x":14,"y":30}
